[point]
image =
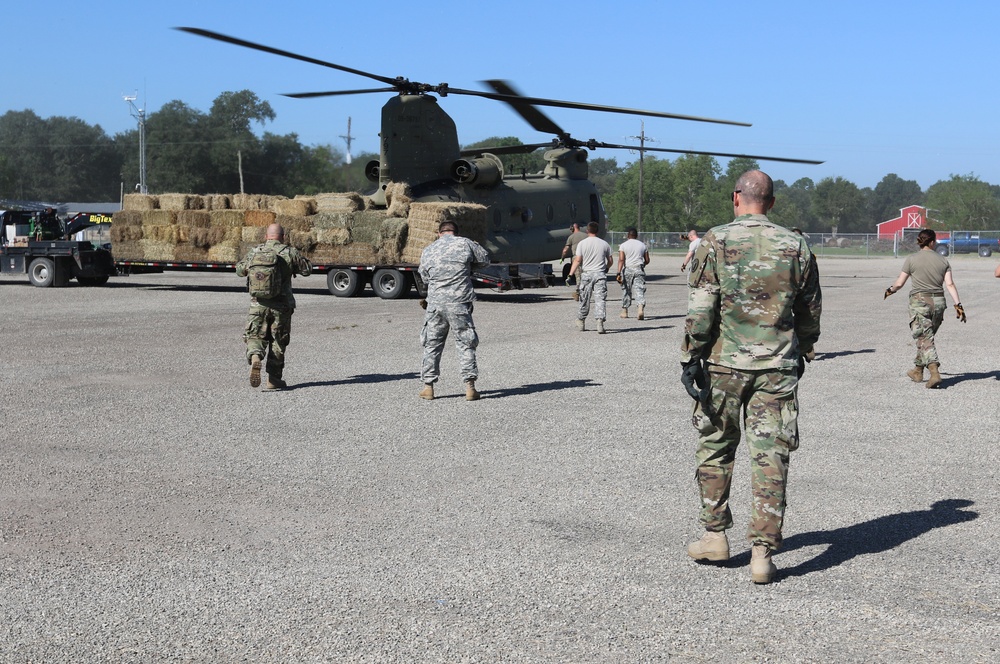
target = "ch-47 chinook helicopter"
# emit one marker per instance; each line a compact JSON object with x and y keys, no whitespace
{"x":529,"y":214}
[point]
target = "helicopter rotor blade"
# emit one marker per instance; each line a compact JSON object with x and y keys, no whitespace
{"x":596,"y":144}
{"x":396,"y":83}
{"x":507,"y":93}
{"x":534,"y":117}
{"x":333,"y":93}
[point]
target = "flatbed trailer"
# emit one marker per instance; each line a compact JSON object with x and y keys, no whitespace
{"x":389,"y":282}
{"x":51,"y":263}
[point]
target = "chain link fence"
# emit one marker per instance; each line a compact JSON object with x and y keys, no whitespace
{"x":847,"y":245}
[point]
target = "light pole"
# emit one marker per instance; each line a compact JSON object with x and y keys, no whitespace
{"x":642,"y":148}
{"x":140,"y":115}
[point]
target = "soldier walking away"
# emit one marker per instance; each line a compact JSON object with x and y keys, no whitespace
{"x":754,"y":306}
{"x":269,"y":269}
{"x":694,"y":241}
{"x":576,"y":236}
{"x":931,"y":274}
{"x":446,"y":267}
{"x":594,"y":258}
{"x":633,"y":257}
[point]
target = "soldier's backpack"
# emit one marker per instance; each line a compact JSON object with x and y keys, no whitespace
{"x":264,"y":277}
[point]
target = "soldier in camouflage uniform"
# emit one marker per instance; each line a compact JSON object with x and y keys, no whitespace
{"x":446,"y":267}
{"x":753,"y":318}
{"x":269,"y":322}
{"x":594,"y":259}
{"x":931,"y":274}
{"x":633,"y":257}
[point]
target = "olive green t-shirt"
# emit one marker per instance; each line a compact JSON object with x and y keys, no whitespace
{"x":926,"y":269}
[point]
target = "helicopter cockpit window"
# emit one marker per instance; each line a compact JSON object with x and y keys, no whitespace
{"x":550,"y":213}
{"x":527,"y":215}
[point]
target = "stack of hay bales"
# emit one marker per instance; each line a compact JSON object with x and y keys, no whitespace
{"x":424,"y":218}
{"x":326,"y":228}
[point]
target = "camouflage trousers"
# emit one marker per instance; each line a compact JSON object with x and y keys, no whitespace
{"x":633,"y":287}
{"x":593,"y":286}
{"x":267,"y":334}
{"x":438,"y":321}
{"x":926,"y":316}
{"x":767,"y":404}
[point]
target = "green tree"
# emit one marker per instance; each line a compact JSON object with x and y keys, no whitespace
{"x":233,"y":143}
{"x":177,"y":151}
{"x":839,"y":203}
{"x":659,"y":212}
{"x":964,"y":203}
{"x":604,"y":173}
{"x":890,"y":195}
{"x":696,"y":193}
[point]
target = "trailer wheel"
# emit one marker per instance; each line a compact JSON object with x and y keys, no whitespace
{"x":345,"y":283}
{"x":985,"y":251}
{"x":390,"y":284}
{"x":42,"y":272}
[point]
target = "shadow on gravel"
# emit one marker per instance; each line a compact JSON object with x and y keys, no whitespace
{"x":535,"y":388}
{"x":875,"y":536}
{"x":843,"y":353}
{"x":955,"y":379}
{"x":642,"y":328}
{"x":363,"y":379}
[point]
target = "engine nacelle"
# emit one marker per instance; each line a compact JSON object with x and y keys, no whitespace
{"x":372,"y":170}
{"x":483,"y":171}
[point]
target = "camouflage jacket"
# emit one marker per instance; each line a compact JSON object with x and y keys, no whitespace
{"x":754,"y":300}
{"x":446,"y":267}
{"x":292,"y":263}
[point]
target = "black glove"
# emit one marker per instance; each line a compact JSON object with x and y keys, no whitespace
{"x":960,"y":312}
{"x":693,"y":374}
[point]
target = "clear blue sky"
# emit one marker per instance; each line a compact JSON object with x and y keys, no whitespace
{"x":871,"y":88}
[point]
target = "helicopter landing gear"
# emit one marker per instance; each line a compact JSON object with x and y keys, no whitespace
{"x":390,"y":284}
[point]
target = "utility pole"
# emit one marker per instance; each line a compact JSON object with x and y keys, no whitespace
{"x":642,"y":149}
{"x":140,"y":115}
{"x":347,"y":139}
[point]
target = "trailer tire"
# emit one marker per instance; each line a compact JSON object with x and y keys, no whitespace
{"x":345,"y":283}
{"x":42,"y":272}
{"x":985,"y":251}
{"x":390,"y":284}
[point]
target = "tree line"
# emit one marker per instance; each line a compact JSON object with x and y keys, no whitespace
{"x":187,"y":150}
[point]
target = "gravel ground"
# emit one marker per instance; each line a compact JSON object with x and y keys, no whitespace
{"x":154,"y":507}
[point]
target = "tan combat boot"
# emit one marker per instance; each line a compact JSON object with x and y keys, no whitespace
{"x":255,"y":371}
{"x":276,"y":383}
{"x":470,"y":391}
{"x":642,"y":312}
{"x":762,"y":569}
{"x":711,"y":546}
{"x":916,"y":374}
{"x":581,"y":324}
{"x":427,"y":392}
{"x":935,"y":378}
{"x":576,"y":295}
{"x":600,"y":326}
{"x":624,"y":313}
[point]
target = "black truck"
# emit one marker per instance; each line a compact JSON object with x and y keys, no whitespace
{"x":36,"y":243}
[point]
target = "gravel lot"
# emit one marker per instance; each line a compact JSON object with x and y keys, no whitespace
{"x":154,"y":507}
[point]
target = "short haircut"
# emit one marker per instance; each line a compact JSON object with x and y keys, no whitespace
{"x":448,"y":226}
{"x":593,"y":228}
{"x":756,"y":186}
{"x":632,"y":233}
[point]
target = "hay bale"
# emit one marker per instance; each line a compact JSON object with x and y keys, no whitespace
{"x":304,"y":241}
{"x":190,"y":254}
{"x":227,"y":252}
{"x":398,"y":197}
{"x":296,"y":207}
{"x":203,"y":238}
{"x":348,"y":254}
{"x":154,"y":250}
{"x":348,"y":202}
{"x":139,"y":202}
{"x":159,"y":218}
{"x":128,"y":250}
{"x":260,"y":218}
{"x":332,"y":236}
{"x":470,"y":217}
{"x":163,"y":234}
{"x":290,"y":223}
{"x":217,"y":202}
{"x":245,"y":202}
{"x":126,"y":218}
{"x":179,"y":202}
{"x":331,"y":219}
{"x":253,"y":235}
{"x":393,"y":234}
{"x":194,"y":218}
{"x":125,"y":233}
{"x":226,"y":218}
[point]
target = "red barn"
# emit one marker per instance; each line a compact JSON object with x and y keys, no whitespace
{"x":914,"y":216}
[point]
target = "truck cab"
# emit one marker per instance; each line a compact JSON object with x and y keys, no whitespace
{"x":34,"y":243}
